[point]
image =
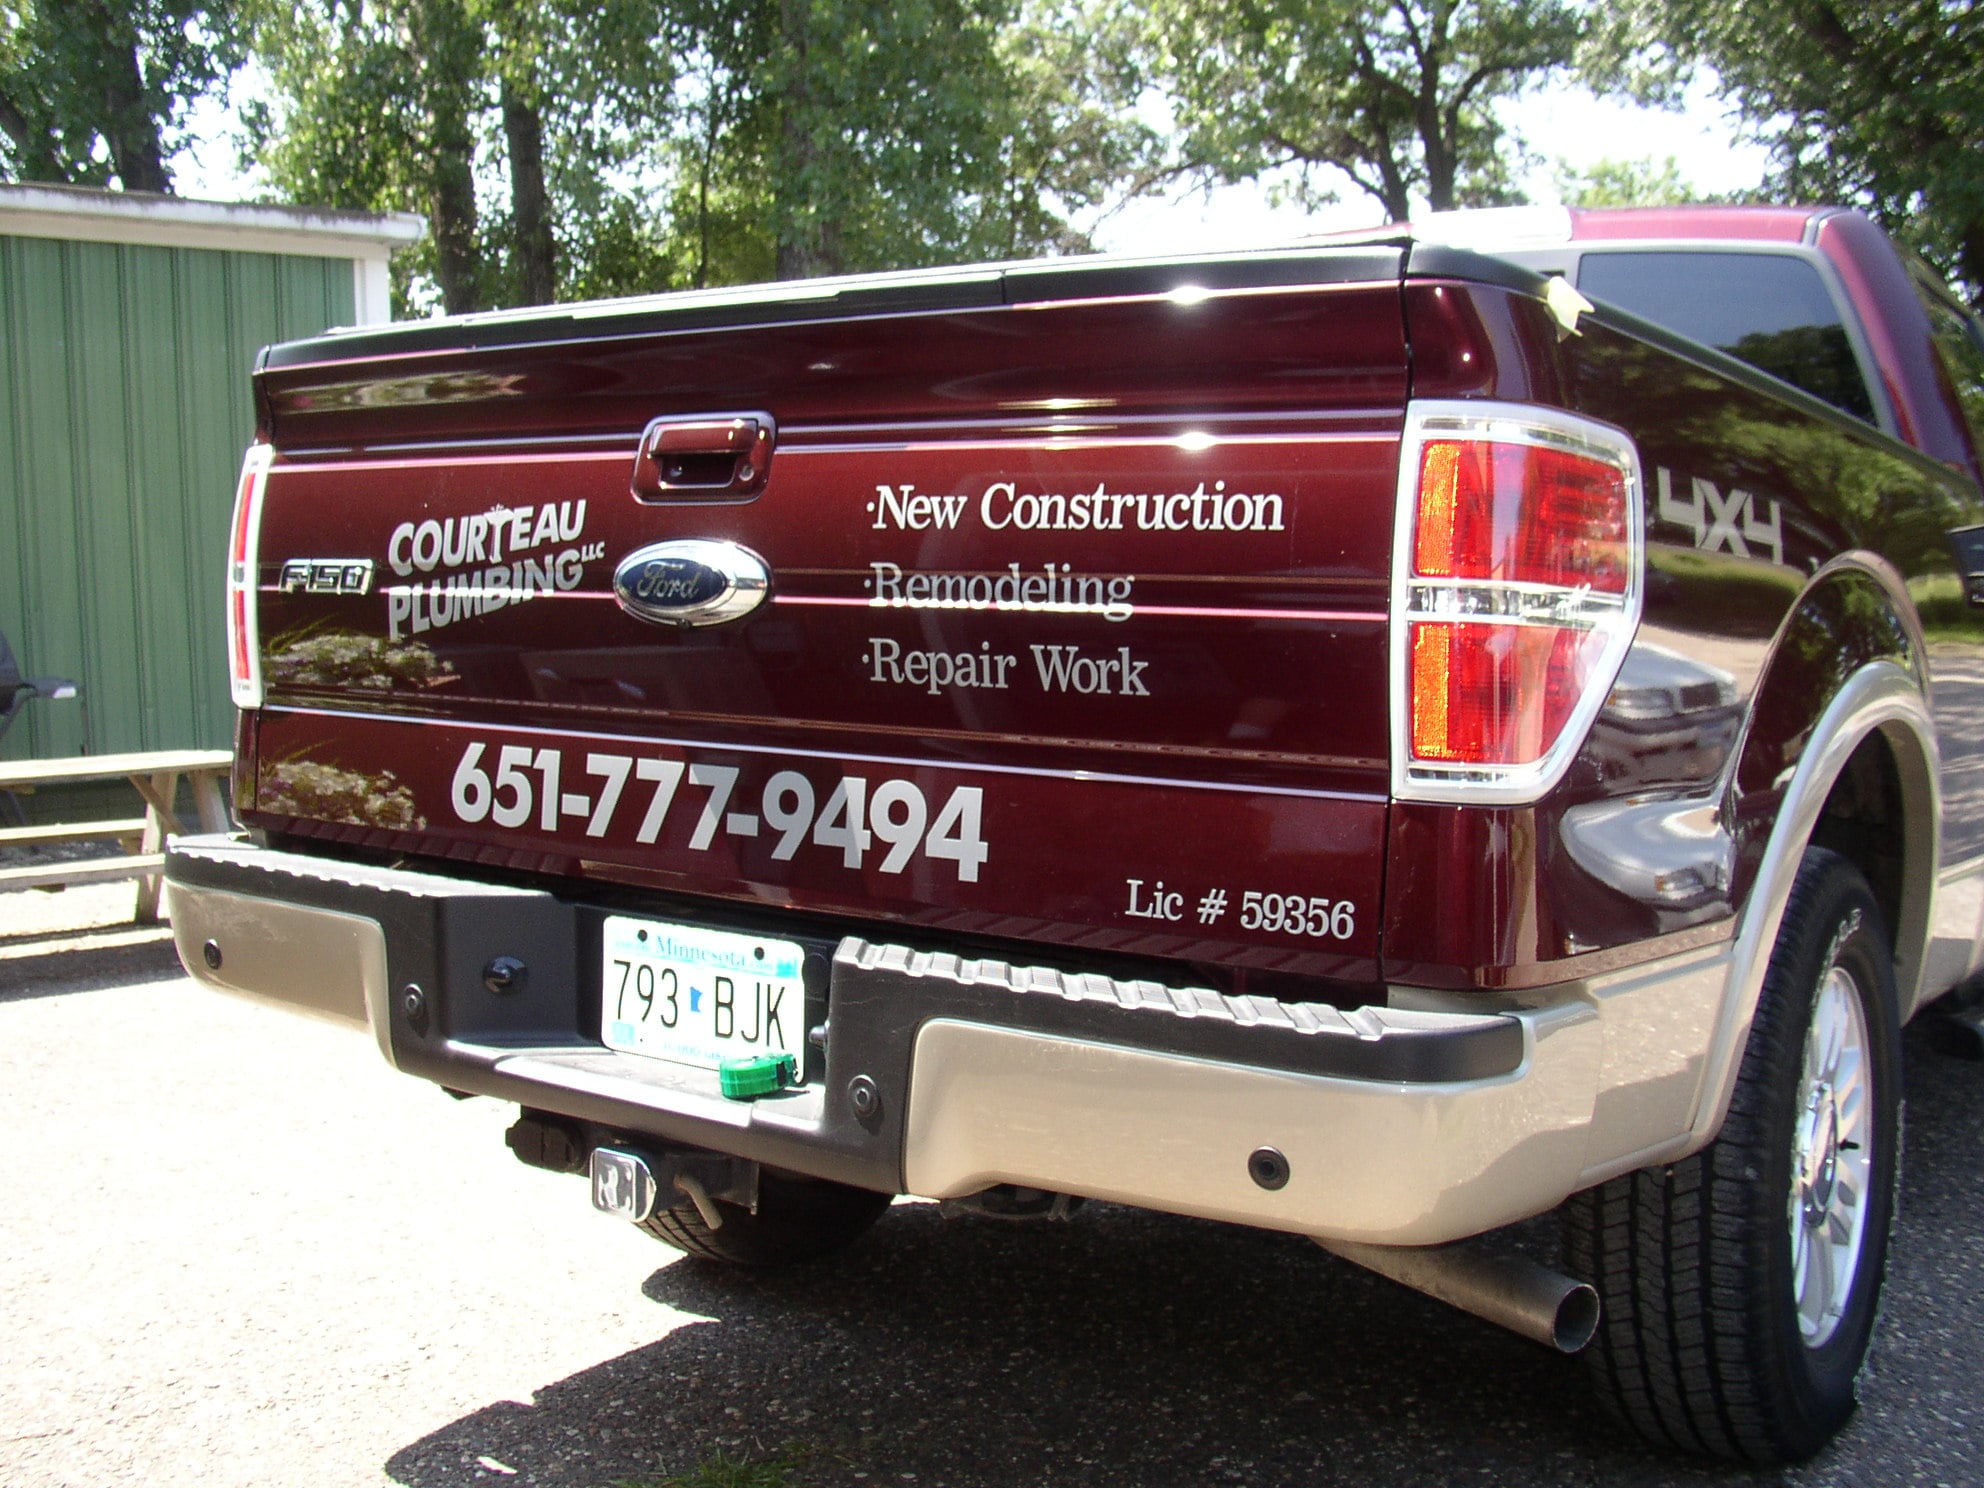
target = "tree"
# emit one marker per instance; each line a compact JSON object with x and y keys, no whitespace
{"x":1626,"y":183}
{"x":1070,"y":135}
{"x":565,"y":148}
{"x":1396,"y":95}
{"x":1882,"y":106}
{"x":376,"y":106}
{"x":587,"y":92}
{"x":893,"y":133}
{"x":93,"y":91}
{"x":418,"y":105}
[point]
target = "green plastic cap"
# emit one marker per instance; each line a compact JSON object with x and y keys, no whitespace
{"x":756,"y":1075}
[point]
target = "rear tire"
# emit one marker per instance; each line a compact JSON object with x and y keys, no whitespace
{"x":797,"y":1219}
{"x":1740,"y":1285}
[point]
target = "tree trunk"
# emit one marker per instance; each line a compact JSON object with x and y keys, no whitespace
{"x":706,"y":166}
{"x":523,"y":128}
{"x":129,"y":129}
{"x":451,"y":203}
{"x":34,"y":147}
{"x":803,"y":252}
{"x":1435,"y":139}
{"x":1393,"y":190}
{"x":450,"y":47}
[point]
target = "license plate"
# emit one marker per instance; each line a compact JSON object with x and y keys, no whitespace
{"x":699,"y":996}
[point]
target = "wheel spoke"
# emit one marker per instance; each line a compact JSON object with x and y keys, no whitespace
{"x":1831,"y":1024}
{"x":1838,"y":1227}
{"x":1848,"y":1069}
{"x":1819,"y":1285}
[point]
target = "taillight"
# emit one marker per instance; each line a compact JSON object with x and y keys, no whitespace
{"x":244,"y":652}
{"x":1516,"y":591}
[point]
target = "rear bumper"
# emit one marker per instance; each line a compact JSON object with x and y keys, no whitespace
{"x":1397,"y":1126}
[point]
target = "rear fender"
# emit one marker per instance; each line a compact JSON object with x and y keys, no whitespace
{"x":1848,"y":664}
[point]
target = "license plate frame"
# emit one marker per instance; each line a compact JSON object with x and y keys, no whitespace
{"x":731,"y":995}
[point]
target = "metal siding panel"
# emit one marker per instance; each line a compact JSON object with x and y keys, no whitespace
{"x":104,"y":443}
{"x":160,"y":496}
{"x":297,"y":295}
{"x":316,"y":292}
{"x":235,"y":322}
{"x":13,"y":466}
{"x":43,"y":616}
{"x":124,"y":408}
{"x":213,"y":398}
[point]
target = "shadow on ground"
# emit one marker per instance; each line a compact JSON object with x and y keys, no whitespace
{"x":59,"y":963}
{"x":1131,"y":1348}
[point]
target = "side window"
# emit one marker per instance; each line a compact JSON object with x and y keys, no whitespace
{"x":1961,"y":341}
{"x":1770,"y":310}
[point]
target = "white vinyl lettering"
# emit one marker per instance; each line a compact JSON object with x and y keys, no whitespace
{"x":492,"y":559}
{"x":1069,"y":669}
{"x":902,"y":507}
{"x":1051,"y":589}
{"x":1716,"y":521}
{"x":1003,"y":506}
{"x":398,"y":549}
{"x":788,"y":812}
{"x":933,"y":671}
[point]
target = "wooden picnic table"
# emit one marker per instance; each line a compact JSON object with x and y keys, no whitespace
{"x":155,"y":776}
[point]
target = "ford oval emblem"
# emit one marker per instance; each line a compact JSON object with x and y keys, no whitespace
{"x":691,"y":581}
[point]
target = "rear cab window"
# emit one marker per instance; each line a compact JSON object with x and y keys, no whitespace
{"x":1960,"y":346}
{"x":1768,"y":309}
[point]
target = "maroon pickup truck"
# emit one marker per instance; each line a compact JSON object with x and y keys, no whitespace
{"x":1377,"y":740}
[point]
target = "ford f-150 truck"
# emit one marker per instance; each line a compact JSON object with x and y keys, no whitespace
{"x":1378,"y":740}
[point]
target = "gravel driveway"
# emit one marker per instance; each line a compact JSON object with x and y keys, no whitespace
{"x":236,"y":1249}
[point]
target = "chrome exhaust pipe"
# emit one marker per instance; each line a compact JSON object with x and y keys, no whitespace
{"x":1512,"y":1292}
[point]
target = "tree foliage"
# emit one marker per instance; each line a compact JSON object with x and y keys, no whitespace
{"x":1626,"y":183}
{"x":862,"y":127}
{"x":93,"y":91}
{"x":566,"y":148}
{"x":1398,"y":96}
{"x":490,"y":117}
{"x":1877,"y":105}
{"x":866,"y":134}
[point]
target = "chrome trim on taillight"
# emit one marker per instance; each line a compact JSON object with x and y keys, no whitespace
{"x":244,"y":535}
{"x":1418,"y":597}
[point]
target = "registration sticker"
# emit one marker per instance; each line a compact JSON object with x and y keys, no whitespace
{"x":699,"y":996}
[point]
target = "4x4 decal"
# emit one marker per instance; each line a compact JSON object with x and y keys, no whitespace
{"x":1719,"y":521}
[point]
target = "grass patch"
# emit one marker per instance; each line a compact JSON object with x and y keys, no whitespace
{"x":720,"y":1470}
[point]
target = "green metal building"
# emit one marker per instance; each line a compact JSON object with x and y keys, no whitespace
{"x":128,"y":328}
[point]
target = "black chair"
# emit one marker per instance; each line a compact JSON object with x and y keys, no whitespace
{"x":15,"y":689}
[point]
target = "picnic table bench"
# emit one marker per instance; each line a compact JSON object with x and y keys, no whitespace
{"x":155,"y":776}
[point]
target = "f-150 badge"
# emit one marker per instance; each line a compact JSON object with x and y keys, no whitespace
{"x":327,"y":576}
{"x":690,"y":581}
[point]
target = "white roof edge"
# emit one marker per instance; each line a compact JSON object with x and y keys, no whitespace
{"x":90,"y":215}
{"x":1496,"y":227}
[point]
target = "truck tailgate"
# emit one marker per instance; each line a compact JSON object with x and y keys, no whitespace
{"x":1074,"y":629}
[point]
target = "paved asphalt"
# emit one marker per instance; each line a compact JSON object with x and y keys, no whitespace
{"x":235,"y":1249}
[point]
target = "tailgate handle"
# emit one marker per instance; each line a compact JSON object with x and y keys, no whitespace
{"x":704,"y":457}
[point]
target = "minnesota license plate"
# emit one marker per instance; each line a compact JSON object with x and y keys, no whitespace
{"x":699,"y":996}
